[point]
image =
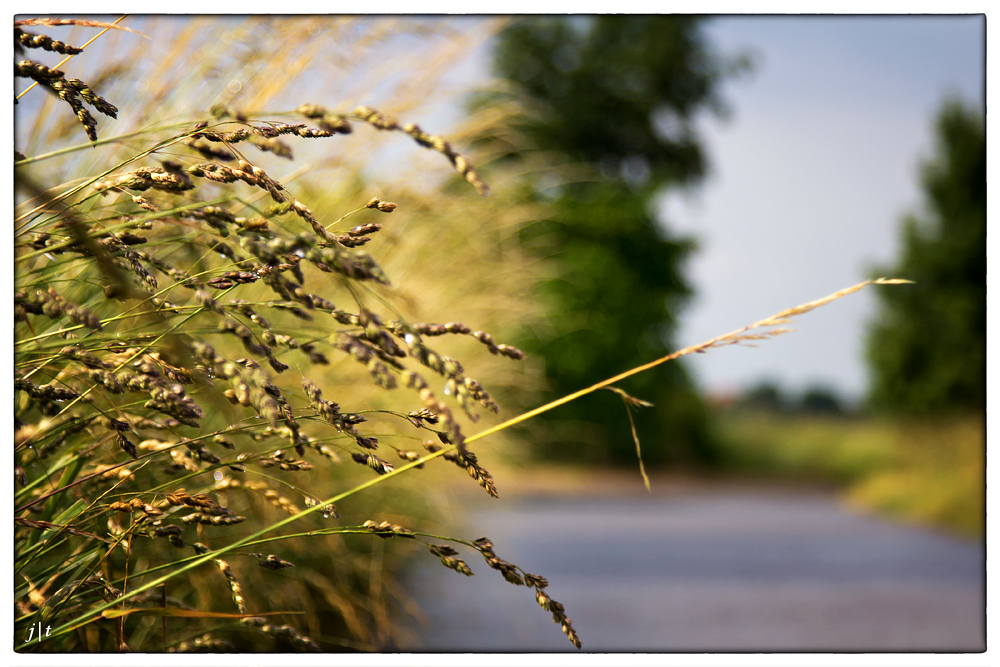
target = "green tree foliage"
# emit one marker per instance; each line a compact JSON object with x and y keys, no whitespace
{"x":617,"y":93}
{"x":928,"y":349}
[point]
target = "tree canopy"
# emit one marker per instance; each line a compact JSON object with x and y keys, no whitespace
{"x":618,"y":93}
{"x":928,"y":348}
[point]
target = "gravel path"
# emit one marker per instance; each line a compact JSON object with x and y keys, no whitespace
{"x":708,"y":570}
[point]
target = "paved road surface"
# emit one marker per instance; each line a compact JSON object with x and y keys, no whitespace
{"x":706,"y":571}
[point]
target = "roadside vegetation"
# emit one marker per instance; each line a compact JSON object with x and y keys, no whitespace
{"x":929,"y":472}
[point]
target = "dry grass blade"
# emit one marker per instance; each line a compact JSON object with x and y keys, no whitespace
{"x":783,"y":316}
{"x":731,"y":338}
{"x":80,"y":22}
{"x":186,"y":613}
{"x":632,"y":402}
{"x":45,"y":525}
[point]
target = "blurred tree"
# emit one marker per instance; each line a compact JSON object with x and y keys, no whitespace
{"x":618,"y":93}
{"x":821,"y":401}
{"x":928,"y":349}
{"x":766,"y":397}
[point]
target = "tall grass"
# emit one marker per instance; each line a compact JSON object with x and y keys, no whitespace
{"x":226,"y":367}
{"x":137,"y":276}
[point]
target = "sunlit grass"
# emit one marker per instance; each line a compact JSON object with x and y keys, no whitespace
{"x":443,"y":250}
{"x":929,"y":472}
{"x":938,"y":476}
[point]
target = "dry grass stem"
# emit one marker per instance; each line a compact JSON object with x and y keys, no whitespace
{"x":732,"y":338}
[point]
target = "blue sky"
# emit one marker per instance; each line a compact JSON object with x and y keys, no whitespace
{"x":810,"y":178}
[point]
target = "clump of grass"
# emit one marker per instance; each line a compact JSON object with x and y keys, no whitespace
{"x":172,"y":373}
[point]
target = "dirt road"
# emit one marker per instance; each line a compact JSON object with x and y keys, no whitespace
{"x":705,"y":570}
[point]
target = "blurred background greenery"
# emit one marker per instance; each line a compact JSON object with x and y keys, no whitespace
{"x":615,"y":97}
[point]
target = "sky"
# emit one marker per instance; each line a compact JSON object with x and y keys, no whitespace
{"x":810,"y":178}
